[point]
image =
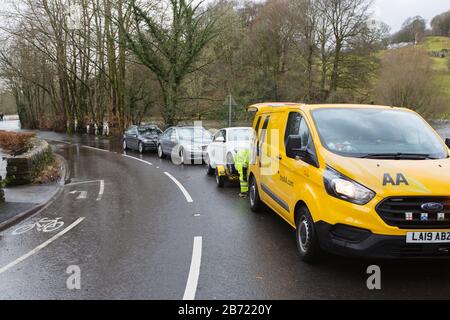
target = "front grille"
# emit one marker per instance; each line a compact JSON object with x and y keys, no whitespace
{"x":393,"y":211}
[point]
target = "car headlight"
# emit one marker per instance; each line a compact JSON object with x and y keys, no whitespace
{"x":341,"y":187}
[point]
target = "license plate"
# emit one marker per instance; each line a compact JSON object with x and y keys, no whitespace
{"x":428,"y":237}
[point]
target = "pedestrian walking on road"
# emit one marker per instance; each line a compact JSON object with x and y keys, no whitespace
{"x":105,"y":128}
{"x":241,"y":162}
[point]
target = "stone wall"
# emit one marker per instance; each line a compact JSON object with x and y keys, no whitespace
{"x":23,"y":169}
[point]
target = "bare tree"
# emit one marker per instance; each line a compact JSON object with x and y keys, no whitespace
{"x":170,"y":46}
{"x":347,"y":19}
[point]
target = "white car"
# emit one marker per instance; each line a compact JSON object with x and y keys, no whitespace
{"x":224,"y":146}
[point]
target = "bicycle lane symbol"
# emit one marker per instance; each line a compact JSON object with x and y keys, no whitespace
{"x":45,"y":225}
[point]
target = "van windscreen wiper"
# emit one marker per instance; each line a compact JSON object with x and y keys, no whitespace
{"x":398,"y":156}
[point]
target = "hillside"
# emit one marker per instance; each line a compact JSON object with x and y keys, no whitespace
{"x":436,"y":44}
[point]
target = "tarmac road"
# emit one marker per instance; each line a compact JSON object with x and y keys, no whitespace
{"x":143,"y":238}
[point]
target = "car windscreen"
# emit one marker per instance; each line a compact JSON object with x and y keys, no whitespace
{"x":195,"y":134}
{"x":149,"y":131}
{"x":240,"y":134}
{"x":377,"y":133}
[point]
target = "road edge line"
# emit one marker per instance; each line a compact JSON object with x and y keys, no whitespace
{"x":94,"y":148}
{"x":181,"y":187}
{"x":137,"y":159}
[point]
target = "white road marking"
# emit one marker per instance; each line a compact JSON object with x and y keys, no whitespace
{"x":93,"y":148}
{"x":194,"y":272}
{"x":82,"y":196}
{"x":60,"y":141}
{"x":183,"y":189}
{"x":41,"y":246}
{"x":137,"y":159}
{"x":102,"y":190}
{"x":82,"y":182}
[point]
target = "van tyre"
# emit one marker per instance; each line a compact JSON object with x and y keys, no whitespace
{"x":220,"y":180}
{"x":306,"y":236}
{"x":255,"y":200}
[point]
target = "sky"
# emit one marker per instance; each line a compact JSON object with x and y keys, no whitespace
{"x":392,"y":12}
{"x":395,"y":12}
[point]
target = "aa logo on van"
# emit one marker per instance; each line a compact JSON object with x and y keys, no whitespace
{"x":399,"y":180}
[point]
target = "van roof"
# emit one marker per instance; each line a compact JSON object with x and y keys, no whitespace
{"x":281,"y":106}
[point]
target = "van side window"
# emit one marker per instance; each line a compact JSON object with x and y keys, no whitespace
{"x":293,"y":125}
{"x":263,"y":135}
{"x":305,"y":134}
{"x":257,"y":125}
{"x":297,"y":126}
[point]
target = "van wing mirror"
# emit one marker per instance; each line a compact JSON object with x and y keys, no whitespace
{"x":447,"y":142}
{"x":220,"y":139}
{"x":294,"y":147}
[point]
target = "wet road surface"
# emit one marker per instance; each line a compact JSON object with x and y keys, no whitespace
{"x":130,"y":228}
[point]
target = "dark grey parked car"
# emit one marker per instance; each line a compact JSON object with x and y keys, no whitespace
{"x":187,"y":143}
{"x":141,"y":138}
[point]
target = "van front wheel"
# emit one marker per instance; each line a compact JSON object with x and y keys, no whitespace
{"x":307,"y":242}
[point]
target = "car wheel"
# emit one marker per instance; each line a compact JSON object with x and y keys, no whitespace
{"x":255,"y":200}
{"x":124,"y":145}
{"x":220,"y":180}
{"x":160,"y":152}
{"x":209,"y":169}
{"x":306,"y":236}
{"x":141,"y":147}
{"x":182,"y":159}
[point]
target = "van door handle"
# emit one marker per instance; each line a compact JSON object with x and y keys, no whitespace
{"x":280,"y":158}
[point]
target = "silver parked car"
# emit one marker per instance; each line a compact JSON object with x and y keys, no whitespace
{"x":187,"y":144}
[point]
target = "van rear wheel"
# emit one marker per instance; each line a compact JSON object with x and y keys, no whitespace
{"x":306,"y":236}
{"x":255,"y":200}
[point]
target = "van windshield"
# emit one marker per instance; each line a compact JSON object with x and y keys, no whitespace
{"x":377,"y":134}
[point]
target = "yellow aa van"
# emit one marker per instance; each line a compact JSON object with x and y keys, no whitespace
{"x":355,"y":180}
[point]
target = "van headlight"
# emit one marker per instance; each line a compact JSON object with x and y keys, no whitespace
{"x":341,"y":187}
